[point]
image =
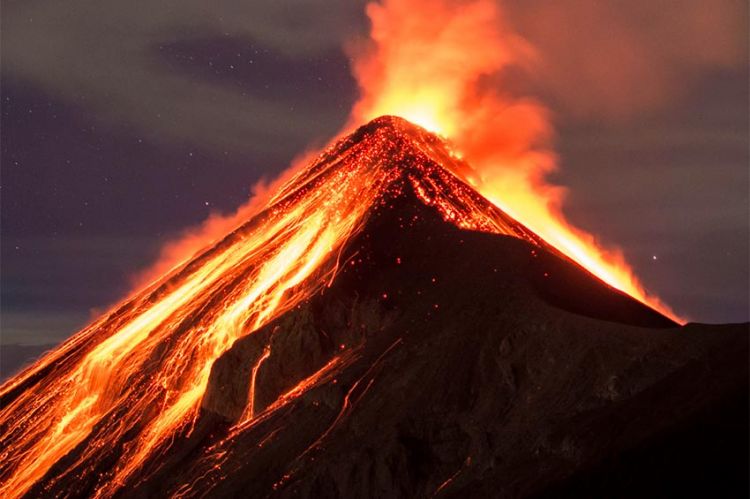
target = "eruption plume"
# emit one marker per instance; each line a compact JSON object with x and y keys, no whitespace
{"x":438,"y":64}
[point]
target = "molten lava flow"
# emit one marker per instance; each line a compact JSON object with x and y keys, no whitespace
{"x":437,"y":63}
{"x":145,"y":367}
{"x":249,"y":412}
{"x":129,"y":384}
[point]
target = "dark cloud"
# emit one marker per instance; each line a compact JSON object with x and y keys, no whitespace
{"x":108,"y":57}
{"x":598,"y":60}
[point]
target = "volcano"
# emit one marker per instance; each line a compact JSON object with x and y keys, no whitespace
{"x":381,"y":330}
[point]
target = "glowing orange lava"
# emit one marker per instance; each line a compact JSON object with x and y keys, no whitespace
{"x":145,"y":366}
{"x":138,"y":374}
{"x":437,"y":64}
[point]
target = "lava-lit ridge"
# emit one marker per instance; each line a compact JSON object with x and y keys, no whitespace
{"x":134,"y":379}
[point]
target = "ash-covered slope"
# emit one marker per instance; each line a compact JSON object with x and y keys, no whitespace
{"x":440,"y":349}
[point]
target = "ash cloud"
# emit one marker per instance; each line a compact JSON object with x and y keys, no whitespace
{"x":619,"y":60}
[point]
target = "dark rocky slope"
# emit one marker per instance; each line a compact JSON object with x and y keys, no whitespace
{"x":469,"y":365}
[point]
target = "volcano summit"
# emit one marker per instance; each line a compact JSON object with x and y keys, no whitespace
{"x":380,"y":330}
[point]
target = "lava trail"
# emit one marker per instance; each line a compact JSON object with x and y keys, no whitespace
{"x":135,"y":378}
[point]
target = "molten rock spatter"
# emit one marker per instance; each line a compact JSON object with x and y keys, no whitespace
{"x":106,"y":406}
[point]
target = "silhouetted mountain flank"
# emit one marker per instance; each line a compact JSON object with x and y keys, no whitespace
{"x":446,"y":362}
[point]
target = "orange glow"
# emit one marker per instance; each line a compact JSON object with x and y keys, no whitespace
{"x":437,"y":63}
{"x":258,"y":271}
{"x":143,"y":368}
{"x":139,"y":373}
{"x":250,"y":408}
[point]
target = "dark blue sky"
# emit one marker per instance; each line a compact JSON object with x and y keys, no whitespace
{"x":122,"y":127}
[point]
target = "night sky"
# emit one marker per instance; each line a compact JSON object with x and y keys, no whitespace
{"x":125,"y":123}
